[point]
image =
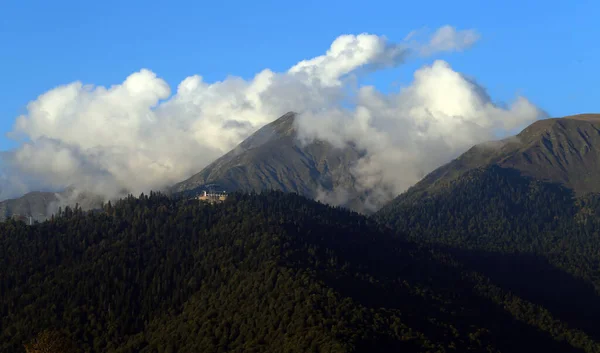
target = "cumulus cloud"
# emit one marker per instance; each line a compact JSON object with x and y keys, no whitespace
{"x":348,"y":53}
{"x":409,"y":133}
{"x":447,"y":38}
{"x":138,"y":135}
{"x":444,"y":39}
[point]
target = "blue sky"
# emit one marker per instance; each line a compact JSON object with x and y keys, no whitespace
{"x":544,"y":50}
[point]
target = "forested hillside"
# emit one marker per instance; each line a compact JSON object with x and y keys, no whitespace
{"x":259,"y":273}
{"x":533,"y":238}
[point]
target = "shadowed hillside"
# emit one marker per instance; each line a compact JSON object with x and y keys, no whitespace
{"x":561,"y":150}
{"x":258,"y":273}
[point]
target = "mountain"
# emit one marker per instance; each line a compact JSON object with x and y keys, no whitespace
{"x":33,"y":204}
{"x":524,"y":212}
{"x":274,"y":158}
{"x":272,"y":272}
{"x":560,"y":150}
{"x":548,"y":174}
{"x":41,"y":205}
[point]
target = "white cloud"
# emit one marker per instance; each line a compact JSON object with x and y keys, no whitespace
{"x":139,"y":136}
{"x":409,"y":133}
{"x":447,"y":38}
{"x":348,"y":53}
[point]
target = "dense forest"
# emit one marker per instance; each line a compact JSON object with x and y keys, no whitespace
{"x":534,"y":238}
{"x":269,"y":272}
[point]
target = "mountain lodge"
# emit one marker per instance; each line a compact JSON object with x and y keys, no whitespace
{"x":212,"y":197}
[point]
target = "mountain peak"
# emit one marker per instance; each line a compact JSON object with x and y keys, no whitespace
{"x":273,"y":158}
{"x":284,"y":125}
{"x":559,"y":150}
{"x":286,"y":118}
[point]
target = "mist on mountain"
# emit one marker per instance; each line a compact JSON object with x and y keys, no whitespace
{"x":140,"y":136}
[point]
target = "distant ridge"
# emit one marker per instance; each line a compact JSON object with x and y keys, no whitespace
{"x":560,"y":150}
{"x":41,"y":205}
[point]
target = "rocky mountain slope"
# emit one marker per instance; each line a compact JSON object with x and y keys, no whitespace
{"x":274,"y":159}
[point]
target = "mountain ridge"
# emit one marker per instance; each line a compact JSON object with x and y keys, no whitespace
{"x":561,"y":150}
{"x":41,"y":205}
{"x":564,"y":150}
